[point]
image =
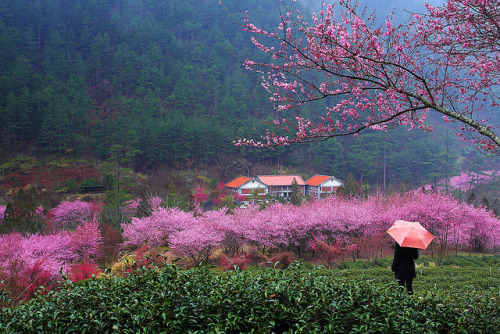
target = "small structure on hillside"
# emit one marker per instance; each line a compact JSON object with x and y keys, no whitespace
{"x":245,"y":187}
{"x":320,"y":186}
{"x":280,"y":186}
{"x":92,"y":189}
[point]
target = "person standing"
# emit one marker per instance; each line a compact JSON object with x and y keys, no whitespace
{"x":403,"y":266}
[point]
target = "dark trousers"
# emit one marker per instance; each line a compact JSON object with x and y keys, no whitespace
{"x":408,"y":283}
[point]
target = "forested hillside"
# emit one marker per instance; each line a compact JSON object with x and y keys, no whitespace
{"x":158,"y":83}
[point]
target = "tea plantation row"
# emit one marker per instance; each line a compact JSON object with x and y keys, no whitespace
{"x":293,"y":300}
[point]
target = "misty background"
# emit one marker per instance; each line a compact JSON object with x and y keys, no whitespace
{"x":159,"y":84}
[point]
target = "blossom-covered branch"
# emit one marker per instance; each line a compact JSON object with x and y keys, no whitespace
{"x":381,"y":77}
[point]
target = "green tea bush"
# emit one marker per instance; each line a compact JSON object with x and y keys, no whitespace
{"x":269,"y":300}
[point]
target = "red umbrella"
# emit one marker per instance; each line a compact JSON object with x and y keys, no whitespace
{"x":410,"y":234}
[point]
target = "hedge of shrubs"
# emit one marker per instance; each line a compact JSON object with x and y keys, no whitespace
{"x":293,"y":300}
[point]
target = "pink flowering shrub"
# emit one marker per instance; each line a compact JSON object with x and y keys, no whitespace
{"x":287,"y":228}
{"x":237,"y":261}
{"x":2,"y":212}
{"x":328,"y":253}
{"x":54,"y":248}
{"x":156,"y":229}
{"x":197,"y":240}
{"x":155,"y":202}
{"x":86,"y":240}
{"x":68,"y":215}
{"x":11,"y":245}
{"x":200,"y":195}
{"x":34,"y":260}
{"x":83,"y":271}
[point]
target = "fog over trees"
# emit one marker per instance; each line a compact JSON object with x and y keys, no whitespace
{"x":161,"y":83}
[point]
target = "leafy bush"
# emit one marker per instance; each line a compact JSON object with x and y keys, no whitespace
{"x":200,"y":300}
{"x":70,"y":185}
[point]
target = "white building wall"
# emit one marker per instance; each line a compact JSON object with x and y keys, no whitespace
{"x":331,"y":183}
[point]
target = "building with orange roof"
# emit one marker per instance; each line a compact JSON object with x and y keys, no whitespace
{"x":244,"y":187}
{"x":320,"y":186}
{"x":281,"y":185}
{"x":238,"y":182}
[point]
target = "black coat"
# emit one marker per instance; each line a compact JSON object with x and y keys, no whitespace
{"x":403,"y":265}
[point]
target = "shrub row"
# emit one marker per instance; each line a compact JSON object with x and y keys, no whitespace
{"x":200,"y":300}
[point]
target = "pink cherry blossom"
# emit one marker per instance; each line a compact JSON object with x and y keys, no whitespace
{"x":156,"y":229}
{"x":71,"y":214}
{"x":445,"y":61}
{"x":53,"y":252}
{"x":2,"y":212}
{"x":333,"y":220}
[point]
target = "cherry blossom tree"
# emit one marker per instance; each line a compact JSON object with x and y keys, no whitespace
{"x":51,"y":252}
{"x":329,"y":253}
{"x":339,"y":221}
{"x":378,"y":77}
{"x":2,"y":212}
{"x":438,"y":213}
{"x":267,"y":228}
{"x":451,"y":222}
{"x":68,"y":215}
{"x":28,"y":262}
{"x":85,"y":241}
{"x":478,"y":229}
{"x":199,"y":239}
{"x":156,"y":229}
{"x":235,"y":229}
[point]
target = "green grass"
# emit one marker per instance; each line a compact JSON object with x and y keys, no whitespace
{"x":457,"y":273}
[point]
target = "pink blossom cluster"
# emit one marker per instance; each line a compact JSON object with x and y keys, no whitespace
{"x":130,"y":208}
{"x":2,"y":212}
{"x":467,"y":179}
{"x":200,"y":195}
{"x":155,"y":202}
{"x":446,"y":61}
{"x":155,"y":230}
{"x":289,"y":227}
{"x":52,"y":252}
{"x":68,"y":215}
{"x":451,"y":222}
{"x":198,"y":239}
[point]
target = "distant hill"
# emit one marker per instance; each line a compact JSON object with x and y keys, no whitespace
{"x":157,"y":83}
